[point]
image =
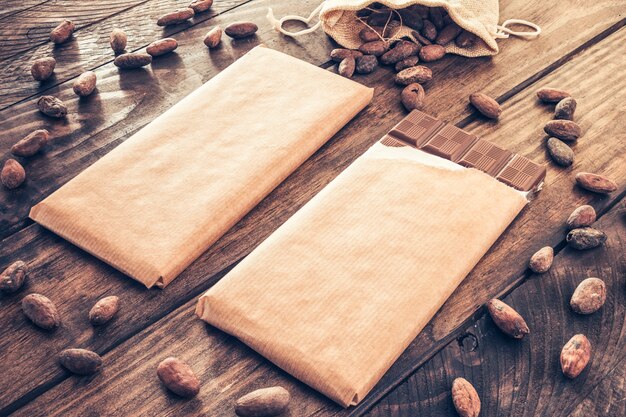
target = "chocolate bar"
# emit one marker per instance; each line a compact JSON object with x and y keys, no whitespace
{"x":447,"y":141}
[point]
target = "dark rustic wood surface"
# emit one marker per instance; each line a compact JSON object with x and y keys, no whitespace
{"x":579,"y":50}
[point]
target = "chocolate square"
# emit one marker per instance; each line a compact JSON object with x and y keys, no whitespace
{"x":486,"y":157}
{"x":522,"y":173}
{"x":450,"y":142}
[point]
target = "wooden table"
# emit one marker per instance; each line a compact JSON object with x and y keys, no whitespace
{"x":581,"y":50}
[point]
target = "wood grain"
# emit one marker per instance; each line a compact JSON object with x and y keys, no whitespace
{"x":11,"y":7}
{"x":523,"y":378}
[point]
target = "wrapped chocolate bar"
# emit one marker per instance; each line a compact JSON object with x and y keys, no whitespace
{"x":340,"y":290}
{"x":157,"y":201}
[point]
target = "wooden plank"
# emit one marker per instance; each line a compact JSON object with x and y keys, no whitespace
{"x":90,"y":47}
{"x":11,"y":7}
{"x":68,"y":267}
{"x":523,"y":378}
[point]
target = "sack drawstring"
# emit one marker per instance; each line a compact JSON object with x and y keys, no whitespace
{"x":503,"y":32}
{"x":278,"y":24}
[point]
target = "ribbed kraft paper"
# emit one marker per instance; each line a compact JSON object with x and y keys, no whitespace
{"x":338,"y":292}
{"x":479,"y":17}
{"x":157,"y":201}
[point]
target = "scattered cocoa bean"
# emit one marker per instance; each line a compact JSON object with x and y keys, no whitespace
{"x":12,"y":174}
{"x":560,"y":152}
{"x":419,"y":38}
{"x":563,"y":129}
{"x":118,"y":40}
{"x":31,"y":144}
{"x":176,"y":17}
{"x":52,"y":106}
{"x":430,"y":53}
{"x":429,"y":31}
{"x":575,"y":355}
{"x":264,"y":402}
{"x":596,"y":183}
{"x":565,"y":109}
{"x":487,"y":106}
{"x":178,"y":377}
{"x":85,"y":83}
{"x":240,"y":30}
{"x":104,"y":310}
{"x":366,"y":64}
{"x":589,"y":296}
{"x":41,"y":311}
{"x":448,"y":34}
{"x":13,"y":277}
{"x":465,"y":398}
{"x":551,"y":95}
{"x":376,"y":48}
{"x":80,"y":361}
{"x":62,"y":32}
{"x":132,"y":60}
{"x":346,"y":67}
{"x":162,"y":47}
{"x":403,"y":49}
{"x":541,"y":260}
{"x":413,"y":96}
{"x":465,"y":39}
{"x":418,"y":74}
{"x":436,"y":16}
{"x":43,"y":68}
{"x":370,"y":35}
{"x":583,"y":216}
{"x":380,"y":18}
{"x":407,"y":63}
{"x":411,"y":18}
{"x":200,"y":6}
{"x":213,"y":38}
{"x":507,"y":319}
{"x":585,"y":238}
{"x":340,"y":54}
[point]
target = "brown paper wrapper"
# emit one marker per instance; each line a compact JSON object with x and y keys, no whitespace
{"x":157,"y":201}
{"x":337,"y":293}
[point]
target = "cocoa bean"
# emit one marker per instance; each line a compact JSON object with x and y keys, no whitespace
{"x":403,"y":49}
{"x":563,"y":129}
{"x":132,"y":60}
{"x":104,"y":310}
{"x":419,"y":38}
{"x":41,"y":311}
{"x":596,"y":183}
{"x":213,"y":37}
{"x":80,"y":361}
{"x":62,"y":32}
{"x":413,"y":96}
{"x":51,"y":106}
{"x":43,"y":68}
{"x":448,"y":34}
{"x":162,"y":47}
{"x":376,"y":48}
{"x":418,"y":74}
{"x":407,"y":63}
{"x":560,"y":152}
{"x":487,"y":106}
{"x":585,"y":238}
{"x":507,"y":319}
{"x":346,"y":67}
{"x":240,"y":30}
{"x":370,"y":35}
{"x":200,"y":6}
{"x":13,"y":277}
{"x":178,"y":377}
{"x":421,"y":10}
{"x":118,"y":40}
{"x":565,"y":109}
{"x":366,"y":64}
{"x":391,"y":29}
{"x":429,"y":31}
{"x":436,"y":16}
{"x":12,"y":174}
{"x":583,"y":216}
{"x":551,"y":95}
{"x":340,"y":54}
{"x":411,"y":18}
{"x":466,"y":39}
{"x":85,"y":84}
{"x":589,"y":296}
{"x":430,"y":53}
{"x":176,"y":17}
{"x":31,"y":144}
{"x":264,"y":402}
{"x":575,"y":355}
{"x":465,"y":398}
{"x":541,"y":260}
{"x":380,"y":18}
